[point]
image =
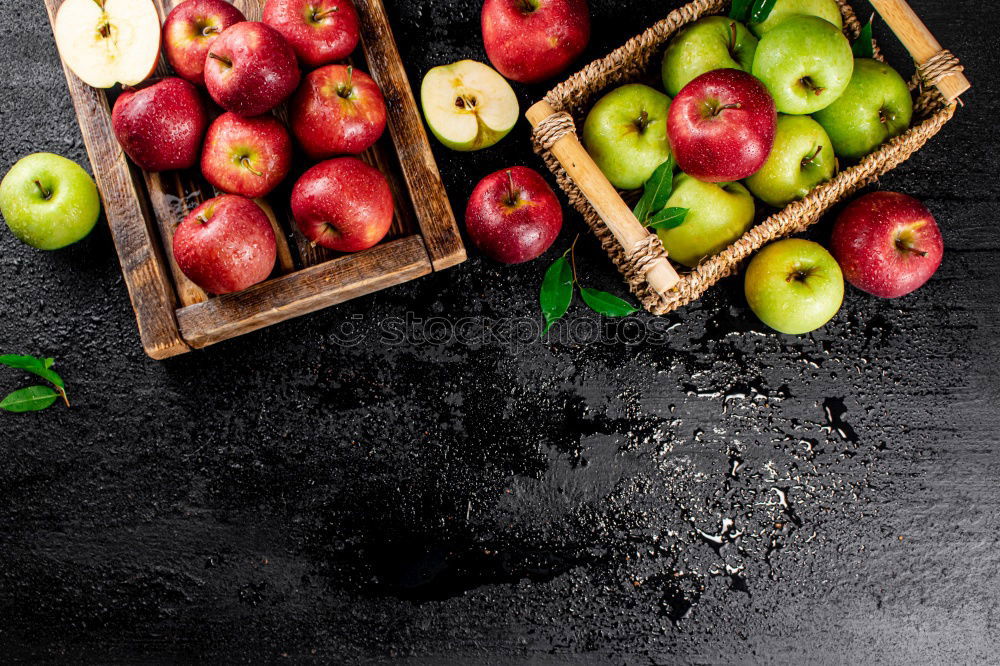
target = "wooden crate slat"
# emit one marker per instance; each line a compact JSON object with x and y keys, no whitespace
{"x":434,"y":214}
{"x":304,"y":291}
{"x":145,"y":270}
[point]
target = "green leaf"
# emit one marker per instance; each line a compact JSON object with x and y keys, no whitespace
{"x":31,"y":399}
{"x":740,"y":9}
{"x":35,"y":366}
{"x":864,"y":46}
{"x":606,"y":304}
{"x":656,"y":191}
{"x":668,"y":218}
{"x":556,"y":292}
{"x":21,"y":362}
{"x":761,"y":10}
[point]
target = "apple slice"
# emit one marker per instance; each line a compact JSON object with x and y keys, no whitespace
{"x":468,"y":105}
{"x":106,"y":42}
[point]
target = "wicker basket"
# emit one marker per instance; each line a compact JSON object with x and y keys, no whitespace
{"x":572,"y":99}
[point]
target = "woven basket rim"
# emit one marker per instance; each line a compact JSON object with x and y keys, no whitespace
{"x":632,"y":61}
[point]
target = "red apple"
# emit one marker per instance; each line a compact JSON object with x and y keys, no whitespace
{"x":533,"y":40}
{"x":250,"y":69}
{"x":225,"y":245}
{"x":320,"y":31}
{"x":189,"y":31}
{"x":160,"y":125}
{"x":887,"y":244}
{"x":513,"y":215}
{"x":338,"y":110}
{"x":721,"y":126}
{"x":247,"y":156}
{"x":343,"y":204}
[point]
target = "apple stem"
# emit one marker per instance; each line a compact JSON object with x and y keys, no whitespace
{"x":642,"y":122}
{"x":201,"y":218}
{"x":809,"y":158}
{"x":62,"y":393}
{"x":46,"y":194}
{"x":808,"y":83}
{"x":319,"y":16}
{"x":209,"y":30}
{"x":572,"y":257}
{"x":225,"y":61}
{"x":884,"y":116}
{"x":345,"y":91}
{"x":732,"y":38}
{"x":903,"y":246}
{"x":105,"y":30}
{"x":245,"y":162}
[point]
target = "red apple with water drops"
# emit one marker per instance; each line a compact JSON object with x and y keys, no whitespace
{"x":513,"y":215}
{"x":343,"y":204}
{"x":320,"y":31}
{"x":721,"y":126}
{"x":338,"y":110}
{"x":533,"y":40}
{"x":226,"y":244}
{"x":250,"y":69}
{"x":887,"y":244}
{"x":189,"y":31}
{"x":160,"y":125}
{"x":246,"y":156}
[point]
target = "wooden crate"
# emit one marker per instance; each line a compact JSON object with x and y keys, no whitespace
{"x":143,"y":209}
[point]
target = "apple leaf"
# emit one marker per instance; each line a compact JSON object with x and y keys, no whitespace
{"x":556,"y":292}
{"x":761,"y":10}
{"x":606,"y":304}
{"x":668,"y":218}
{"x":656,"y":191}
{"x":740,"y":9}
{"x":35,"y":366}
{"x":31,"y":399}
{"x":864,"y":45}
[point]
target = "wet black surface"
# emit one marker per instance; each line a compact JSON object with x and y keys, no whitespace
{"x":705,"y":492}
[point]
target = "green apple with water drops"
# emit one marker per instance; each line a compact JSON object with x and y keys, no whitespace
{"x":48,"y":201}
{"x":800,"y":159}
{"x":875,"y":107}
{"x":626,"y":134}
{"x":794,"y":286}
{"x":717,"y":214}
{"x":806,"y":63}
{"x":713,"y":42}
{"x":468,"y":105}
{"x":783,"y":9}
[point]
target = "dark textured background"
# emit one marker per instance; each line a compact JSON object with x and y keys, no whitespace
{"x":283,"y":494}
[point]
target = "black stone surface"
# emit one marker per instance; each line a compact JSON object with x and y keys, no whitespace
{"x":710,"y":493}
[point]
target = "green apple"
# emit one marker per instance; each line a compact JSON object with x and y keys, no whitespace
{"x":876,"y":106}
{"x":805,"y":62}
{"x":783,"y":9}
{"x":800,"y":159}
{"x":49,"y":201}
{"x":718,"y":214}
{"x":794,"y":286}
{"x":468,"y":105}
{"x":626,"y":134}
{"x":713,"y":42}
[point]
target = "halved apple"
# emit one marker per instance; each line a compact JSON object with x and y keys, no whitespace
{"x":468,"y":105}
{"x":106,"y":42}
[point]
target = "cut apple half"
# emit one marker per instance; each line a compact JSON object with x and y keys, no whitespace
{"x":106,"y":42}
{"x":468,"y":105}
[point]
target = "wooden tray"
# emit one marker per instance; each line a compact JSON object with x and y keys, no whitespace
{"x":173,"y":314}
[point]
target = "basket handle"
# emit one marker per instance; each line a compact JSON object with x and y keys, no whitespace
{"x":921,"y":44}
{"x":615,"y":213}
